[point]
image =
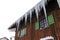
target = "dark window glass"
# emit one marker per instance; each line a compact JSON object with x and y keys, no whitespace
{"x":43,"y":24}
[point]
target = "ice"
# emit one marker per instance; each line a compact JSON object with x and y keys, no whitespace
{"x":36,"y":10}
{"x":45,"y":13}
{"x":30,"y":15}
{"x":25,"y":18}
{"x":17,"y":23}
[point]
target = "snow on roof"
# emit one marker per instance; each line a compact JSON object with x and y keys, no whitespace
{"x":37,"y":7}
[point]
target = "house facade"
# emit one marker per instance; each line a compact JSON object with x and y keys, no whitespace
{"x":42,"y":22}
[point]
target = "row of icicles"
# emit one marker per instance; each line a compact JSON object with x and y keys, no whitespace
{"x":37,"y":9}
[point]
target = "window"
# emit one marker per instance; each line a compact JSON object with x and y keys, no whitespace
{"x":25,"y":31}
{"x":50,"y":19}
{"x":43,"y":24}
{"x":37,"y":25}
{"x":22,"y":32}
{"x":18,"y":33}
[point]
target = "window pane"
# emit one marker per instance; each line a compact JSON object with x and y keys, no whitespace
{"x":25,"y":31}
{"x":43,"y":24}
{"x":37,"y":25}
{"x":18,"y":33}
{"x":50,"y":19}
{"x":22,"y":33}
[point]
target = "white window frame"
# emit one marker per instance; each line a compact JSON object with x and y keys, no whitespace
{"x":48,"y":37}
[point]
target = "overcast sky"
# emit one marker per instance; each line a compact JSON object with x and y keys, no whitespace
{"x":10,"y":11}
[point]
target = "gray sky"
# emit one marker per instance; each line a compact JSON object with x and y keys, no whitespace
{"x":10,"y":11}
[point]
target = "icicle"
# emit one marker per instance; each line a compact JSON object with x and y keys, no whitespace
{"x":45,"y":1}
{"x":18,"y":24}
{"x":30,"y":16}
{"x":36,"y":12}
{"x":25,"y":19}
{"x":43,"y":5}
{"x":38,"y":7}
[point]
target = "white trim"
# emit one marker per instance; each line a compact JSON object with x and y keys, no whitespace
{"x":48,"y":37}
